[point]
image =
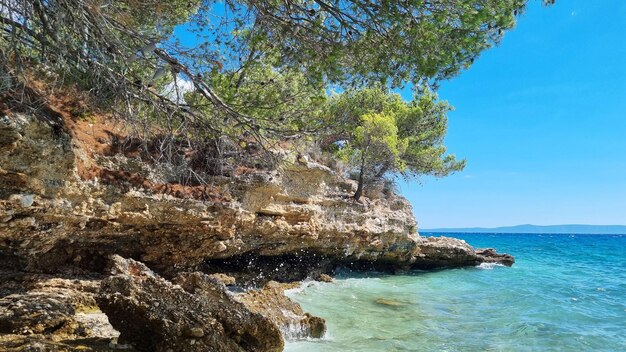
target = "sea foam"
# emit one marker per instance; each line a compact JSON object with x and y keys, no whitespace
{"x":488,"y":266}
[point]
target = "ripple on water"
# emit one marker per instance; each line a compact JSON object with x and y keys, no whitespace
{"x":562,"y":294}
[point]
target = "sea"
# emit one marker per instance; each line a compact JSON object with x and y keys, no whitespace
{"x":564,"y":293}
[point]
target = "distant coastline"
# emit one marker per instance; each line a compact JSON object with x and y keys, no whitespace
{"x":553,"y":229}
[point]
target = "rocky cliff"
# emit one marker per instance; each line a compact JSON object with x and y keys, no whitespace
{"x":52,"y":218}
{"x":68,"y":202}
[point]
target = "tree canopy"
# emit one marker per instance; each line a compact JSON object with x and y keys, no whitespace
{"x":378,"y":133}
{"x":344,"y":42}
{"x":256,"y":69}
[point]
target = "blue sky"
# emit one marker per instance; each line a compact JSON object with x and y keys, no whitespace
{"x":541,"y":120}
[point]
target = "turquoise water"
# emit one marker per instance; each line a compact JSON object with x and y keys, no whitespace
{"x":565,"y":293}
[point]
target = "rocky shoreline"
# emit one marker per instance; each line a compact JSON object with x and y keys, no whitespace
{"x":81,"y":255}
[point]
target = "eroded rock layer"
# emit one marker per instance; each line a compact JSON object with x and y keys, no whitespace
{"x":50,"y":218}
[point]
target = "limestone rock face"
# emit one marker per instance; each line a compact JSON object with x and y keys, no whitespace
{"x":50,"y":218}
{"x":156,"y":315}
{"x":35,"y":157}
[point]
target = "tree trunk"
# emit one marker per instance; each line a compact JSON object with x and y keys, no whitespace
{"x":359,"y":189}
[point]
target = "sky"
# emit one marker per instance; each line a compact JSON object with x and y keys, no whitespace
{"x":541,"y":120}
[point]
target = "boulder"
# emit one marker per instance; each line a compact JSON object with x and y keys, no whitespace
{"x":489,"y":255}
{"x":441,"y":252}
{"x":154,"y":314}
{"x":271,"y":302}
{"x":324,"y":278}
{"x":446,"y":252}
{"x":223,"y":278}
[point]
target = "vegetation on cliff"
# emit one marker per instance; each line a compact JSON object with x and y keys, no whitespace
{"x":376,"y":132}
{"x":231,"y":79}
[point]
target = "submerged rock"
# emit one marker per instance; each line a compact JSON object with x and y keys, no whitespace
{"x":390,"y":302}
{"x":271,"y":302}
{"x":198,"y":315}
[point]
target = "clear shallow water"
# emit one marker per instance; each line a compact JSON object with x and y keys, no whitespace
{"x":564,"y":293}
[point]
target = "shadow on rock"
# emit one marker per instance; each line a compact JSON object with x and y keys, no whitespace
{"x":154,"y":314}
